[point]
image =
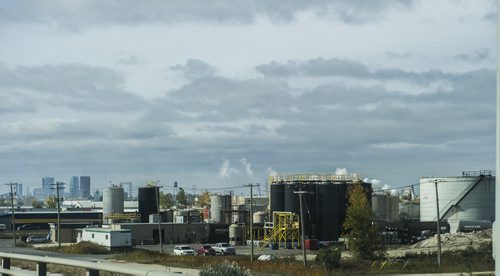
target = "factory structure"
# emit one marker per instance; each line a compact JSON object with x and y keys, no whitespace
{"x":466,"y":203}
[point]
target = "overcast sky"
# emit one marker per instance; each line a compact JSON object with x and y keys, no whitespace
{"x":222,"y":93}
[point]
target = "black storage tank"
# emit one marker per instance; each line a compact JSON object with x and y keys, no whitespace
{"x":277,"y":197}
{"x":310,"y":217}
{"x":291,"y":199}
{"x":327,"y":215}
{"x":147,"y":202}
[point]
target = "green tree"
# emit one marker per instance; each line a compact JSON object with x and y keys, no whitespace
{"x":329,"y":258}
{"x":204,"y":199}
{"x":166,"y":200}
{"x":361,"y":234}
{"x":51,"y":202}
{"x":181,"y":197}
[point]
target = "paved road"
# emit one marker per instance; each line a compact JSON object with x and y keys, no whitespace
{"x":8,"y":246}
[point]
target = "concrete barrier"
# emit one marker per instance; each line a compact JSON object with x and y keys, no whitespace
{"x":93,"y":268}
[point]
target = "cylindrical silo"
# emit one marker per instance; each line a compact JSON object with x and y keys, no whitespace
{"x":236,"y":234}
{"x":219,"y":205}
{"x":147,"y":202}
{"x":327,"y":211}
{"x":112,"y":200}
{"x":385,"y":207}
{"x":292,"y":203}
{"x":277,"y":197}
{"x":241,"y":215}
{"x":467,"y":197}
{"x":259,"y":217}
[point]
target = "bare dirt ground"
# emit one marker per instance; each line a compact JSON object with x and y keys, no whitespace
{"x":449,"y":242}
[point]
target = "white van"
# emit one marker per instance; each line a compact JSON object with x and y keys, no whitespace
{"x":2,"y":227}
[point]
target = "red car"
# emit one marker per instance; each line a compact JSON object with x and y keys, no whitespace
{"x":205,"y":250}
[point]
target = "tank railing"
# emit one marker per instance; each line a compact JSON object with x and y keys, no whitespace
{"x":314,"y":177}
{"x":479,"y":173}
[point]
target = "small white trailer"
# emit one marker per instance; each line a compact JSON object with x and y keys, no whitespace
{"x":111,"y":238}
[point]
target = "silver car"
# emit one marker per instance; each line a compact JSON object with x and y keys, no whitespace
{"x":36,"y":239}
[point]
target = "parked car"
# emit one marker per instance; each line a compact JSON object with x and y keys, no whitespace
{"x":2,"y":227}
{"x":205,"y":250}
{"x":183,"y":250}
{"x":36,"y":239}
{"x":28,"y":227}
{"x":223,"y":248}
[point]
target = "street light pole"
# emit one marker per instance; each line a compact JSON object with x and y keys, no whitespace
{"x":158,"y":212}
{"x":302,"y":225}
{"x":438,"y":225}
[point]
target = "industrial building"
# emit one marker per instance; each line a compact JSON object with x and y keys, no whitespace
{"x":325,"y":201}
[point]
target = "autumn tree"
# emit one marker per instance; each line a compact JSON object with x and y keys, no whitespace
{"x":361,"y":234}
{"x":51,"y":202}
{"x":37,"y":203}
{"x":204,"y":199}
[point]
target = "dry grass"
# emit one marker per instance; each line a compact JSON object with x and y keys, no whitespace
{"x":464,"y":261}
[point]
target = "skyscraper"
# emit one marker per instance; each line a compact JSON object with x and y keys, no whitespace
{"x":74,"y":187}
{"x":85,"y":186}
{"x":46,"y":185}
{"x":19,"y":190}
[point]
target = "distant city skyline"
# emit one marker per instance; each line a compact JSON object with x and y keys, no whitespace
{"x":223,"y":95}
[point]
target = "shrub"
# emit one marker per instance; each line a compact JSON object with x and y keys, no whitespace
{"x":329,"y":258}
{"x":84,"y":247}
{"x":223,"y":269}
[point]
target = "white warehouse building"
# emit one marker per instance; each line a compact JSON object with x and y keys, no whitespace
{"x":470,"y":197}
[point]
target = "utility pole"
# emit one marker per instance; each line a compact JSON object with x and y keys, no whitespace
{"x":302,"y":225}
{"x":58,"y":186}
{"x":251,"y":216}
{"x":159,"y":217}
{"x":438,"y":225}
{"x":13,"y":222}
{"x":174,"y":204}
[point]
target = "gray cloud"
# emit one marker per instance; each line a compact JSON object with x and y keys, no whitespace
{"x":74,"y":85}
{"x":491,"y":17}
{"x":474,"y":56}
{"x":212,"y":119}
{"x":194,"y":69}
{"x":80,"y":14}
{"x":335,"y":67}
{"x":131,"y":60}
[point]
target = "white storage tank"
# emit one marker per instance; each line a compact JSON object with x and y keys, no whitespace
{"x":259,"y":217}
{"x":219,"y":204}
{"x":467,"y":197}
{"x":112,"y":200}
